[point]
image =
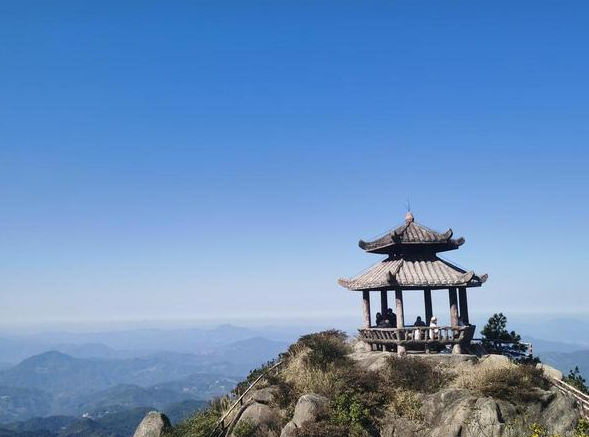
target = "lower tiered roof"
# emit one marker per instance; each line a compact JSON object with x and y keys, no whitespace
{"x":416,"y":272}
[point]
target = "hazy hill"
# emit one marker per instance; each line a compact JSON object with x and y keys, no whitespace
{"x":565,"y":361}
{"x":134,"y":343}
{"x":541,"y":345}
{"x":61,"y":374}
{"x":87,"y":428}
{"x":56,"y":383}
{"x":188,"y":340}
{"x":54,"y":424}
{"x":562,"y":330}
{"x":121,"y":424}
{"x":21,"y":403}
{"x":201,"y":385}
{"x":125,"y":397}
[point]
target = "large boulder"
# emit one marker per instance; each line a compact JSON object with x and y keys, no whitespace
{"x":395,"y":426}
{"x":370,"y":361}
{"x":290,"y":430}
{"x":154,"y":424}
{"x":309,"y":408}
{"x":561,"y":413}
{"x":265,"y":395}
{"x":265,"y":419}
{"x":454,"y":412}
{"x":494,"y":360}
{"x":550,"y":372}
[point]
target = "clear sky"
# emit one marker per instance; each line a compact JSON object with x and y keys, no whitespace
{"x":185,"y":160}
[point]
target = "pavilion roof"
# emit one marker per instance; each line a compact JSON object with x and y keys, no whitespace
{"x":416,"y":272}
{"x":411,"y":235}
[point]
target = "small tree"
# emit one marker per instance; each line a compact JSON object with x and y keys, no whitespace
{"x":495,"y":333}
{"x":575,"y":379}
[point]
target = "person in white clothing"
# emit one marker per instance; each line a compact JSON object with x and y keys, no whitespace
{"x":434,"y":332}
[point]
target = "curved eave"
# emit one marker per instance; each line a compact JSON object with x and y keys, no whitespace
{"x":472,"y":284}
{"x":412,"y":275}
{"x":387,"y":247}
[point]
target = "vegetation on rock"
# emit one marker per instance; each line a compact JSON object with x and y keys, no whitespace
{"x":362,"y":398}
{"x":245,"y":428}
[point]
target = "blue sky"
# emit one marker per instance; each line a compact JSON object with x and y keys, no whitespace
{"x":189,"y":160}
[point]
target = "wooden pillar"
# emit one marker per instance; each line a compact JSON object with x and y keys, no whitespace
{"x":454,"y":315}
{"x":463,"y":303}
{"x":453,"y":307}
{"x":366,"y":307}
{"x":384,"y":303}
{"x":427,"y":298}
{"x":400,"y":319}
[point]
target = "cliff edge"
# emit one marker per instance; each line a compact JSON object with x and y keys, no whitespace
{"x":327,"y":386}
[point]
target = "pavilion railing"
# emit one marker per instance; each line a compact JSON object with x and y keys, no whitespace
{"x":418,"y":335}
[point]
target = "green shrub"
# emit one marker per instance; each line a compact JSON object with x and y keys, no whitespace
{"x":245,"y":428}
{"x":323,"y":348}
{"x":582,"y":428}
{"x":374,"y":388}
{"x":315,"y":363}
{"x":350,"y":410}
{"x":575,"y":379}
{"x":201,"y":424}
{"x":540,"y":431}
{"x":414,"y":374}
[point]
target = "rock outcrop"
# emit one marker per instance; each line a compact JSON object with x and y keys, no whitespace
{"x":456,"y":412}
{"x":154,"y":424}
{"x":309,"y":408}
{"x":435,"y":395}
{"x":550,"y":371}
{"x":259,"y":413}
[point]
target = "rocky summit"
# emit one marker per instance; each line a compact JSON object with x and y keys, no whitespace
{"x":327,"y":386}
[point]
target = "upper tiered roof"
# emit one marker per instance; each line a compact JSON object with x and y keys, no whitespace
{"x":412,"y":262}
{"x":412,"y":236}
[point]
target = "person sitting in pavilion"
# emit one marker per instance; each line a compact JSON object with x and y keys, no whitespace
{"x":378,"y":318}
{"x":418,"y":324}
{"x":434,"y":332}
{"x":392,"y":318}
{"x":383,"y":323}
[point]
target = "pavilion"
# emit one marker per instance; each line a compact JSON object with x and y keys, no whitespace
{"x":412,"y":264}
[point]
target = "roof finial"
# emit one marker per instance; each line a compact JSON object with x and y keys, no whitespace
{"x":409,"y":215}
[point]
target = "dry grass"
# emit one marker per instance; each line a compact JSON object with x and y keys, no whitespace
{"x":415,"y":374}
{"x":316,"y":362}
{"x":406,"y":404}
{"x":502,"y":380}
{"x":304,"y":378}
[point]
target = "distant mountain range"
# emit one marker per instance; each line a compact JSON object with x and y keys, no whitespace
{"x":136,"y":342}
{"x":54,"y":383}
{"x":566,"y":361}
{"x":115,"y":424}
{"x":61,"y":384}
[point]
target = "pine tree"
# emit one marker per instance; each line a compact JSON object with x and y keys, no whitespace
{"x":495,"y":332}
